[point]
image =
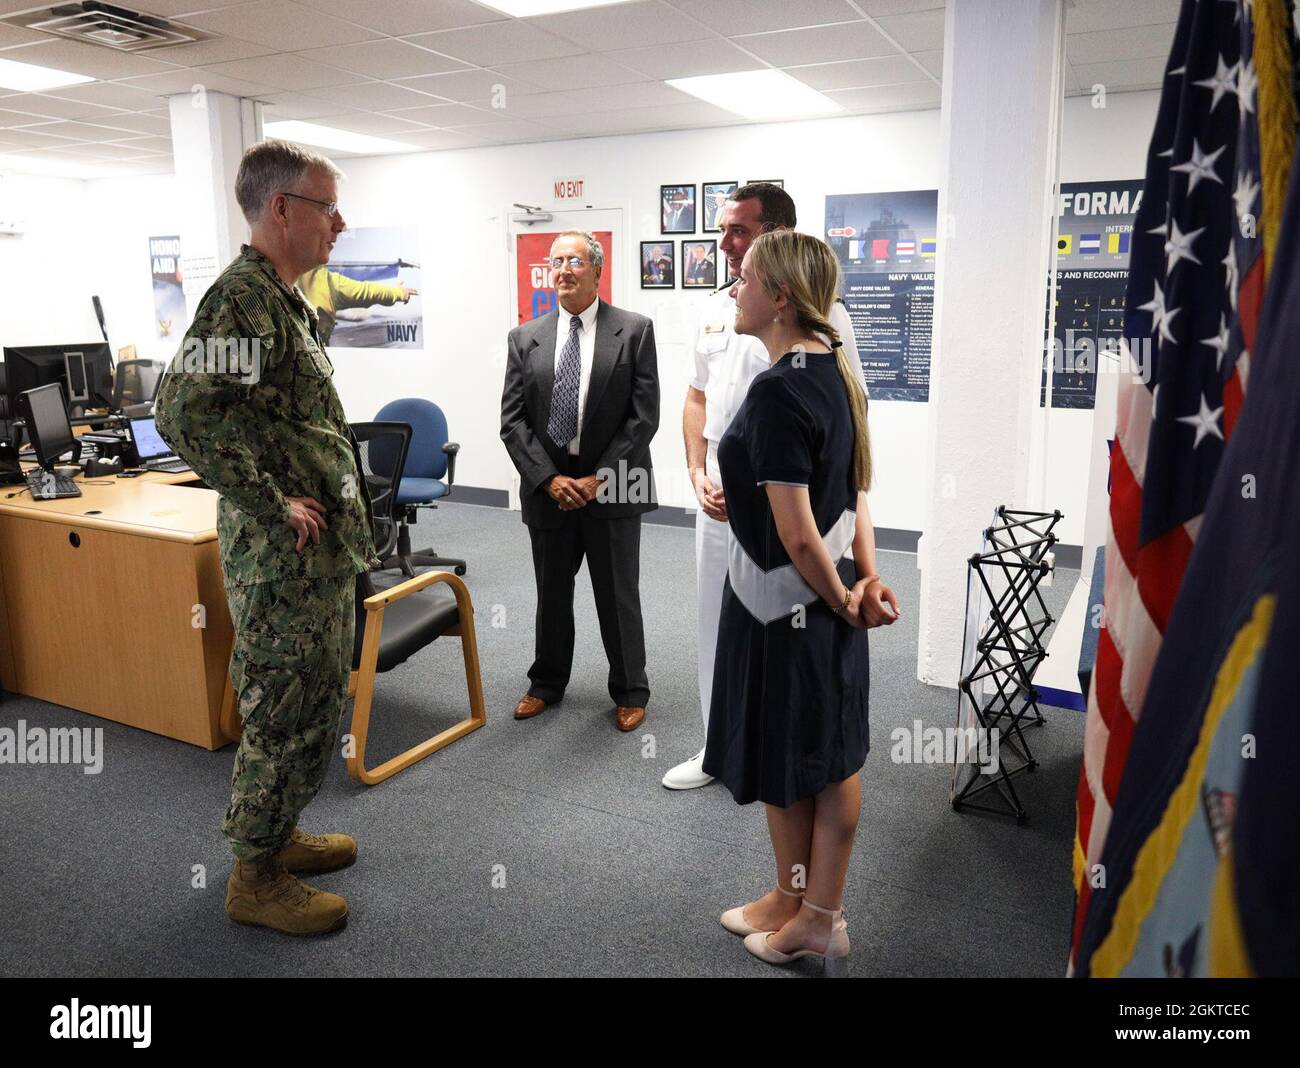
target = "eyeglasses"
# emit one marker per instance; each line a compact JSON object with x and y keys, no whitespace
{"x":331,"y":207}
{"x":575,"y":262}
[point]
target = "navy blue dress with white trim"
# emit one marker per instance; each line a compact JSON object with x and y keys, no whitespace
{"x":788,"y":715}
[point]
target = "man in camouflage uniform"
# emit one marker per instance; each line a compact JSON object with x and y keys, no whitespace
{"x":249,"y":403}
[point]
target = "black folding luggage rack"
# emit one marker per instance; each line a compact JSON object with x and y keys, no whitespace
{"x":1008,"y":651}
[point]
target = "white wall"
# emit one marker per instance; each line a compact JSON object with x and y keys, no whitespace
{"x":91,"y":237}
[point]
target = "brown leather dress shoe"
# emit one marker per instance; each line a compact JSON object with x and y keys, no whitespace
{"x":528,"y":706}
{"x":628,"y":718}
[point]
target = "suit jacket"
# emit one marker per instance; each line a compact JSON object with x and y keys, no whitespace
{"x":618,"y":422}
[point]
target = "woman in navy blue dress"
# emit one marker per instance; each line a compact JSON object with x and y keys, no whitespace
{"x":790,"y":686}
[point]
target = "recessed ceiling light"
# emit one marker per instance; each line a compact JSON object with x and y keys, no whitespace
{"x":29,"y":78}
{"x":758,"y":94}
{"x":308,"y":133}
{"x":522,"y":9}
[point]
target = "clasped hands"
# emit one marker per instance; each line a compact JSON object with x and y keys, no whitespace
{"x":870,"y":604}
{"x":573,"y":493}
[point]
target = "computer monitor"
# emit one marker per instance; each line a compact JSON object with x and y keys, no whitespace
{"x":86,"y":372}
{"x":148,"y":442}
{"x":46,"y":414}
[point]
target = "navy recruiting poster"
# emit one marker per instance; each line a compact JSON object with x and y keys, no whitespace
{"x":168,"y":292}
{"x":886,"y":245}
{"x":370,"y":289}
{"x":1095,"y":226}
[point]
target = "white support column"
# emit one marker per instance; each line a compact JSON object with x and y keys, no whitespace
{"x":1002,"y":97}
{"x":210,"y":132}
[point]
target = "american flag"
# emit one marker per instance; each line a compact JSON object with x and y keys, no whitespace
{"x":1196,"y":280}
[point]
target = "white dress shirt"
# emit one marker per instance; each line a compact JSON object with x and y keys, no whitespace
{"x":587,"y":351}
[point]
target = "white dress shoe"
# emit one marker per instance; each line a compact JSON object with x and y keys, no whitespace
{"x":688,"y":774}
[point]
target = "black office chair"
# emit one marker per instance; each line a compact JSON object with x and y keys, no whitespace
{"x":396,"y":623}
{"x":135,"y":385}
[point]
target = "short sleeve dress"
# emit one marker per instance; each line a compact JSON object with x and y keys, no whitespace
{"x":788,"y":715}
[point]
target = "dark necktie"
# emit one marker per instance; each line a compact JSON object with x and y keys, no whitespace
{"x":563,"y":424}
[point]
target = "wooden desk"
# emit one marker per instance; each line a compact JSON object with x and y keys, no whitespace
{"x":100,"y":601}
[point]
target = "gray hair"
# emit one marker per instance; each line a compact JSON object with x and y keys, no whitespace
{"x":271,"y":167}
{"x":595,"y":253}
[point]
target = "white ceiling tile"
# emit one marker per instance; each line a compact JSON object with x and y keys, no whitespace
{"x":1122,"y":74}
{"x":12,"y":117}
{"x":91,"y":60}
{"x":443,"y":115}
{"x":19,"y":35}
{"x":118,"y":151}
{"x":1071,"y":80}
{"x":282,"y":25}
{"x":687,"y":60}
{"x":1105,"y":46}
{"x":297,"y":106}
{"x":932,"y":61}
{"x":603,"y":29}
{"x":442,"y":139}
{"x":631,"y":120}
{"x":178,"y":9}
{"x":373,"y":96}
{"x":639,"y":95}
{"x":56,"y":107}
{"x":33,"y":138}
{"x":877,"y":8}
{"x":110,"y":94}
{"x":471,"y":85}
{"x":888,"y":97}
{"x":184,"y":81}
{"x":219,"y":50}
{"x":80,"y":131}
{"x":379,"y":125}
{"x":592,"y":71}
{"x":854,"y":40}
{"x":496,"y":43}
{"x":158,"y":125}
{"x":915,"y":31}
{"x":387,"y":59}
{"x":512,"y":133}
{"x":1084,"y":15}
{"x":731,"y":17}
{"x":284,"y":71}
{"x":401,"y":17}
{"x":543,"y":106}
{"x":883,"y":70}
{"x":150,"y":145}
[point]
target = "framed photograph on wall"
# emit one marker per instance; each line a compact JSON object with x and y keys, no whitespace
{"x":699,"y":265}
{"x":768,"y":181}
{"x":677,"y":209}
{"x":658,"y":265}
{"x":714,"y":196}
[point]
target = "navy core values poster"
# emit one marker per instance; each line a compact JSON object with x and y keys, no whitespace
{"x":1095,"y":227}
{"x":886,"y":245}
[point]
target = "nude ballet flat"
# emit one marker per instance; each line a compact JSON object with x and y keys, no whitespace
{"x":833,"y":960}
{"x":734,"y":919}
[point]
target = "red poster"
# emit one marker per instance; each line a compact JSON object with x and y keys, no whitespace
{"x":536,"y":295}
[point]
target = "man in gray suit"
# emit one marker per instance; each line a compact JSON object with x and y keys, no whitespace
{"x":579,"y":409}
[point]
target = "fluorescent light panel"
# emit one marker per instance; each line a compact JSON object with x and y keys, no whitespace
{"x":29,"y":78}
{"x":522,"y":9}
{"x":758,"y":94}
{"x":308,"y":133}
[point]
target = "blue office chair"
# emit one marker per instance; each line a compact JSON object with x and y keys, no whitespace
{"x":431,"y":459}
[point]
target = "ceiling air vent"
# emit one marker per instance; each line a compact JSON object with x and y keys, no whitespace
{"x":106,"y":25}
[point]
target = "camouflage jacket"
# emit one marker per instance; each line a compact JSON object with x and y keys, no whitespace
{"x":249,"y":403}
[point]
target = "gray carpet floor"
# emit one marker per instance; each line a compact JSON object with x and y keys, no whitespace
{"x":544,"y":847}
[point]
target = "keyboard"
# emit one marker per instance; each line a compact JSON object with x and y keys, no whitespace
{"x":47,"y":487}
{"x":171,"y":466}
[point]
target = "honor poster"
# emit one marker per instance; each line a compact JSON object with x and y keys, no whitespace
{"x":371,"y":288}
{"x":886,"y":245}
{"x":1094,"y":228}
{"x":169,"y":315}
{"x":532,"y":264}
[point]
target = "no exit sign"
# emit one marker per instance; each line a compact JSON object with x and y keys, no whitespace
{"x":570,"y":188}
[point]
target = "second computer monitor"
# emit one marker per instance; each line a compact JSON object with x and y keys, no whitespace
{"x":46,"y":413}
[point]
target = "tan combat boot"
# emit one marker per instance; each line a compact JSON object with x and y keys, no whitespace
{"x":316,"y":853}
{"x":266,"y":895}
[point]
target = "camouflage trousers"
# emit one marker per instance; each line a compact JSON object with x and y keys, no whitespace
{"x":293,"y":653}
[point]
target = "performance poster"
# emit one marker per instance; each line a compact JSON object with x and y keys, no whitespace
{"x":536,"y":288}
{"x":371,"y":288}
{"x":168,"y":293}
{"x":886,"y":245}
{"x":1095,"y":226}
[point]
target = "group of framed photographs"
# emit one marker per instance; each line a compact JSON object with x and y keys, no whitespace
{"x":699,"y":258}
{"x":699,"y":264}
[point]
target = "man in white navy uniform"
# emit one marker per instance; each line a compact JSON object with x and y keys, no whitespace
{"x":725,"y":364}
